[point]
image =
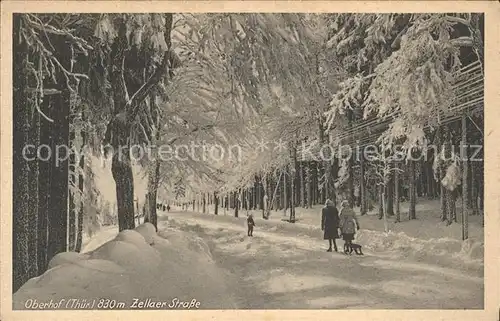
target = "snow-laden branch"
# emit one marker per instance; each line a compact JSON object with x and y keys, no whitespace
{"x":82,"y":44}
{"x":194,"y":130}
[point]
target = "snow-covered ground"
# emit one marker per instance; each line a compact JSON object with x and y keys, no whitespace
{"x":286,"y":266}
{"x":425,"y":236}
{"x":210,"y":259}
{"x":168,"y":267}
{"x":428,"y":224}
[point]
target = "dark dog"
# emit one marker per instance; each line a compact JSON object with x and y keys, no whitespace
{"x":353,"y":247}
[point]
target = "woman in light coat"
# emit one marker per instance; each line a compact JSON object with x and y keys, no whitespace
{"x":348,"y":223}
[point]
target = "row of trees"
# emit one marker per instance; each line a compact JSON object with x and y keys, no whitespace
{"x":84,"y":81}
{"x":116,"y":80}
{"x":47,"y":192}
{"x":309,"y":191}
{"x":383,"y":79}
{"x":87,"y":81}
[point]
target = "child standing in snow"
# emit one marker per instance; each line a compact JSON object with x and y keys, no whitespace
{"x":250,"y":224}
{"x":348,"y":224}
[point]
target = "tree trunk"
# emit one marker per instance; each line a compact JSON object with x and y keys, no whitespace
{"x":137,"y":212}
{"x":450,"y":206}
{"x":257,"y":194}
{"x":293,"y":183}
{"x":350,"y":181}
{"x":384,"y":211}
{"x":119,"y":134}
{"x":390,"y":196}
{"x":264,"y":191}
{"x":265,"y":198}
{"x":285,"y":190}
{"x":81,"y":187}
{"x":58,"y":220}
{"x":124,"y":179}
{"x":236,"y":205}
{"x":430,"y":181}
{"x":308,"y":185}
{"x":334,"y":175}
{"x":419,"y":180}
{"x":465,"y":187}
{"x":292,"y":194}
{"x":474,"y":193}
{"x":21,"y":112}
{"x":423,"y":178}
{"x":45,"y":186}
{"x":33,"y":178}
{"x":481,"y":195}
{"x":72,"y":165}
{"x":328,"y":181}
{"x":315,"y":182}
{"x":302,"y":187}
{"x":58,"y":215}
{"x":440,"y":175}
{"x":216,"y":204}
{"x":279,"y":195}
{"x":396,"y":192}
{"x":413,"y":192}
{"x":249,"y":199}
{"x":381,"y":201}
{"x":362,"y":187}
{"x":444,"y":205}
{"x":450,"y":195}
{"x":278,"y":188}
{"x":469,"y":183}
{"x":323,"y":168}
{"x":297,"y":182}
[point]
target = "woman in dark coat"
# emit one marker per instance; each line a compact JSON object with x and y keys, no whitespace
{"x":330,"y":224}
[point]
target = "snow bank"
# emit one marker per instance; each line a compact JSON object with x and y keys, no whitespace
{"x":136,"y":264}
{"x":471,"y":251}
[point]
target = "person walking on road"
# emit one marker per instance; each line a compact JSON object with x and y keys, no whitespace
{"x":330,"y":224}
{"x":348,"y":223}
{"x":250,"y":224}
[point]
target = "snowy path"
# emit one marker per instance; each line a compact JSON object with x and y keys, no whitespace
{"x":283,"y":268}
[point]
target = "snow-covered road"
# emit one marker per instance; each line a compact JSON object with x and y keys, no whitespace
{"x":281,"y":268}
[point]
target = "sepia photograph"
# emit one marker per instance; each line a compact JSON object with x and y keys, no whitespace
{"x":245,"y":160}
